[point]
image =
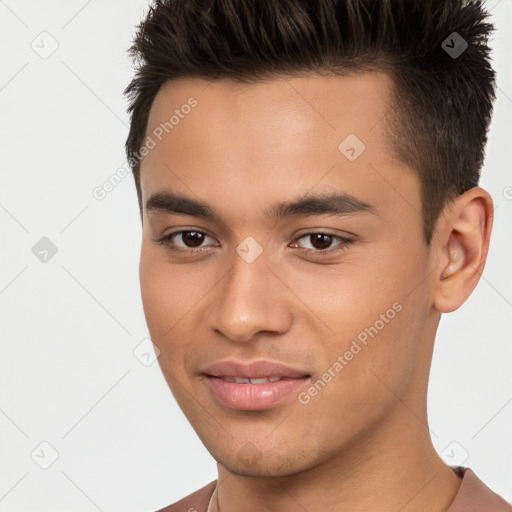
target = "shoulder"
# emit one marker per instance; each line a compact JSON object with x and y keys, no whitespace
{"x":475,"y":496}
{"x":195,"y":502}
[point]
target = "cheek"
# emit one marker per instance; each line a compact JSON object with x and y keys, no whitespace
{"x":163,"y":297}
{"x":361,"y":382}
{"x":172,"y":295}
{"x":153,"y":292}
{"x":168,"y":290}
{"x":375,"y":327}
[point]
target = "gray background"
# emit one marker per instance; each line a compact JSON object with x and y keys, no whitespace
{"x":69,"y":377}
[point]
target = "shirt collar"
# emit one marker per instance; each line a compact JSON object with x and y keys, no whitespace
{"x":474,"y":496}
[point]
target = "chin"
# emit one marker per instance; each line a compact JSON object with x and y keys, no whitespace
{"x":262,"y":470}
{"x":277,"y":465}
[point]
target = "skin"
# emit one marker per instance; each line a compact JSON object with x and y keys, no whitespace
{"x":363,"y":442}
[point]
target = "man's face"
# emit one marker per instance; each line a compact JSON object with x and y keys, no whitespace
{"x":351,"y":316}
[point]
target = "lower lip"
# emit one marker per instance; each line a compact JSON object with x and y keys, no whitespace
{"x":253,"y":397}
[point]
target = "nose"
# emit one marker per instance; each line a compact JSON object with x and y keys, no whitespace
{"x":250,"y":300}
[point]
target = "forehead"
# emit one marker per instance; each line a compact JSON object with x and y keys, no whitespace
{"x":282,"y":136}
{"x":322,"y":102}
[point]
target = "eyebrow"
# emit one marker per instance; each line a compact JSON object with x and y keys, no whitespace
{"x":306,"y":206}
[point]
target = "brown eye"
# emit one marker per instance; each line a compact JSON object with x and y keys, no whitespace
{"x":185,"y":240}
{"x":320,"y":240}
{"x":192,"y":238}
{"x":323,"y":243}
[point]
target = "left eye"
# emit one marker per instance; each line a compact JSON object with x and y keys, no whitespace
{"x":321,"y":242}
{"x":192,"y":241}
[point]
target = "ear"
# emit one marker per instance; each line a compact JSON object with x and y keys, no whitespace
{"x":462,"y":239}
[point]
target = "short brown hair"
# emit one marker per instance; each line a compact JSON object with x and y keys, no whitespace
{"x":441,"y":102}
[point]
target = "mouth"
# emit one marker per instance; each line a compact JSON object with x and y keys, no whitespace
{"x":244,"y":380}
{"x":254,"y":394}
{"x":256,"y":386}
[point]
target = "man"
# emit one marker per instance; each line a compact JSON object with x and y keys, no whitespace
{"x":307,"y":174}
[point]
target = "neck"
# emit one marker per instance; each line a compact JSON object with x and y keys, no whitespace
{"x":392,"y":468}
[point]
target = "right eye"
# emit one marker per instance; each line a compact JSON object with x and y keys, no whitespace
{"x":190,"y":238}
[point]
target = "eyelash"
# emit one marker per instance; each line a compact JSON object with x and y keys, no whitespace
{"x":345,"y":242}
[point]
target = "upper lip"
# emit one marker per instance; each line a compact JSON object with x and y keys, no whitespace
{"x":252,"y":370}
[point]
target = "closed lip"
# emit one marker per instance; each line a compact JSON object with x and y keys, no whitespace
{"x":252,"y":370}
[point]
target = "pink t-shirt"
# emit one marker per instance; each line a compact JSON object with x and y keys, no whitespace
{"x":473,"y":496}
